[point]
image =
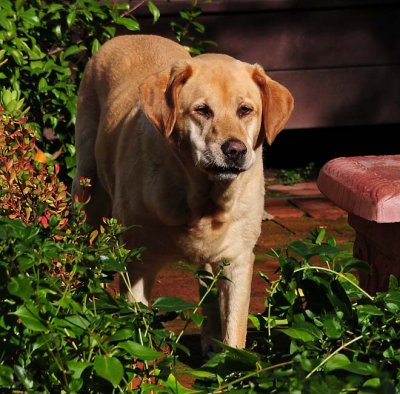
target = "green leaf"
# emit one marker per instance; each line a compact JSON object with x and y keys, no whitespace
{"x":392,"y":300}
{"x":58,"y":32}
{"x":331,"y":241}
{"x":77,"y":321}
{"x":109,"y":263}
{"x":300,"y":248}
{"x":355,"y":264}
{"x":338,"y":361}
{"x":172,"y":304}
{"x":174,"y":386}
{"x":254,"y":320}
{"x":247,"y":358}
{"x":186,"y":15}
{"x":71,"y":18}
{"x":21,"y":287}
{"x":374,"y":382}
{"x":109,"y":368}
{"x":320,"y":236}
{"x":30,"y":317}
{"x":369,"y":310}
{"x":73,"y":49}
{"x":75,"y":385}
{"x":42,"y":341}
{"x":17,"y":56}
{"x":42,"y":86}
{"x":299,"y":333}
{"x":154,"y":11}
{"x":361,"y":368}
{"x":121,"y":335}
{"x":6,"y":376}
{"x":77,"y":367}
{"x":333,"y":326}
{"x":199,"y":374}
{"x":23,"y":377}
{"x":128,"y":22}
{"x":95,"y":46}
{"x":139,"y":351}
{"x":29,"y":17}
{"x":196,"y":318}
{"x":199,"y":27}
{"x":393,"y":282}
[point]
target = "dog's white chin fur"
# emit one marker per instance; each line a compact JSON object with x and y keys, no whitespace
{"x":227,"y":176}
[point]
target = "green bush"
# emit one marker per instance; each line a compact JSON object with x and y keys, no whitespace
{"x":44,"y":48}
{"x":60,"y":328}
{"x":320,"y":331}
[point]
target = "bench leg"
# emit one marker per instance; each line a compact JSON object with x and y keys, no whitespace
{"x":379,"y":245}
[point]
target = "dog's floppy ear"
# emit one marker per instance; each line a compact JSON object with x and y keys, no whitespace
{"x":158,"y":95}
{"x":277,"y":103}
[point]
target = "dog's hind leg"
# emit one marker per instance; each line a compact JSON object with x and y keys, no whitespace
{"x":87,"y":122}
{"x":140,"y":281}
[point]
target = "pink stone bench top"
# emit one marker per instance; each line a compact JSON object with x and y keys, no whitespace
{"x":367,"y":186}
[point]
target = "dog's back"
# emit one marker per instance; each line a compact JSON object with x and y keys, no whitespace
{"x":107,"y":93}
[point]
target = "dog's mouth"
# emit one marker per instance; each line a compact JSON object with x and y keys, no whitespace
{"x":224,"y":173}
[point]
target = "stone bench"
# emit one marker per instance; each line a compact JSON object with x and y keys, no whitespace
{"x":368,"y":188}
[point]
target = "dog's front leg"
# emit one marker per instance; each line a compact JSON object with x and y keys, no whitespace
{"x":234,"y":300}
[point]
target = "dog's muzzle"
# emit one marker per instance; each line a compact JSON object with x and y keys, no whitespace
{"x":234,"y":158}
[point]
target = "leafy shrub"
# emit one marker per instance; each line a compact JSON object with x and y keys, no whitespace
{"x":45,"y":46}
{"x":30,"y":189}
{"x":320,"y":331}
{"x":296,"y":175}
{"x":60,"y":328}
{"x":190,"y":31}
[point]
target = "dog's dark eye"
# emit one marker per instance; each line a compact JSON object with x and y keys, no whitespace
{"x":244,"y":110}
{"x":204,"y":110}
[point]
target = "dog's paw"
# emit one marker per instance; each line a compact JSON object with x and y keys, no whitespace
{"x":267,"y":216}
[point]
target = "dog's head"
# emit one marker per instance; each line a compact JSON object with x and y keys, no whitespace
{"x":217,"y":105}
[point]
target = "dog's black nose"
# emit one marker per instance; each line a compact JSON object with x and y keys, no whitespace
{"x":234,"y":149}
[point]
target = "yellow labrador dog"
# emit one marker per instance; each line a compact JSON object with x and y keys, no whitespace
{"x":173,"y":144}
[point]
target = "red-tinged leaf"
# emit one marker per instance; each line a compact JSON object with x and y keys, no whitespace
{"x":43,"y":220}
{"x":9,"y":164}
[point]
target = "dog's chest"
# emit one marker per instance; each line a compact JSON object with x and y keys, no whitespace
{"x":209,"y":240}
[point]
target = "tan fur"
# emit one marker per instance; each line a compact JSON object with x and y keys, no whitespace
{"x":156,"y":160}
